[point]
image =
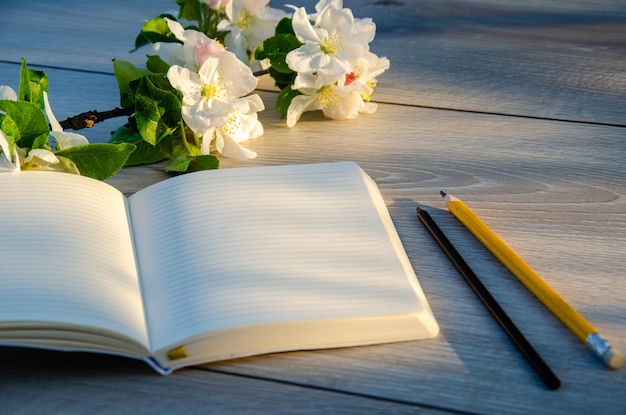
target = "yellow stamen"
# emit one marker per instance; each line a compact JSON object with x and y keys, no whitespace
{"x":232,"y":127}
{"x":332,"y":44}
{"x":213,"y":91}
{"x":368,"y":95}
{"x":326,"y":96}
{"x":243,"y":20}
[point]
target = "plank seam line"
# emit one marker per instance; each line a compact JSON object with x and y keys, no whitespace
{"x":431,"y":107}
{"x":503,"y":114}
{"x":333,"y":390}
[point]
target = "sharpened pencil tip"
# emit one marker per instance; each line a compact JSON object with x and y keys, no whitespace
{"x":442,"y":193}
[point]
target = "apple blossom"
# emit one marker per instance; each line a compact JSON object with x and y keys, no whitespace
{"x":335,"y":96}
{"x":332,"y":43}
{"x":195,"y":47}
{"x":215,"y":105}
{"x":248,"y":23}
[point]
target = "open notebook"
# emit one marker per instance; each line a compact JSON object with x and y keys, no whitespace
{"x":206,"y":266}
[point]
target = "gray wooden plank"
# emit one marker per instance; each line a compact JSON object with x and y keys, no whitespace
{"x":36,"y":382}
{"x":552,"y":59}
{"x":548,"y":59}
{"x":553,"y":190}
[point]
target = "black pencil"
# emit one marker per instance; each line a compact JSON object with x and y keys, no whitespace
{"x":531,"y":355}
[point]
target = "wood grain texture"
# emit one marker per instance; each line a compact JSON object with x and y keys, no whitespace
{"x":554,"y":191}
{"x":553,"y":59}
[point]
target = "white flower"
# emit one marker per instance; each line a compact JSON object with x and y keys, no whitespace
{"x":62,"y":139}
{"x":337,"y":98}
{"x":7,"y":93}
{"x":366,"y":69}
{"x":332,"y":43}
{"x":215,"y":105}
{"x":248,"y":23}
{"x":242,"y":124}
{"x":195,"y":47}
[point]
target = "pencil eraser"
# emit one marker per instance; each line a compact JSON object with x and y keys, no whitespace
{"x":613,"y":358}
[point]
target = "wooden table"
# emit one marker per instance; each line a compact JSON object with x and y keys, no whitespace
{"x":517,"y":107}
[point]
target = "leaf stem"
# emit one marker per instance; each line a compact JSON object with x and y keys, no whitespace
{"x":183,"y":135}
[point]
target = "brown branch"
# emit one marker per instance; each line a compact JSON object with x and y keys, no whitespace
{"x":261,"y":72}
{"x":89,"y":118}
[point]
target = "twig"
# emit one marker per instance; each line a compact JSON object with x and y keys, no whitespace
{"x":89,"y":118}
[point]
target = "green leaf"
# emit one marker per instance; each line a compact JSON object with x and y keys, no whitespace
{"x":190,"y":10}
{"x":276,"y":49}
{"x":157,"y":111}
{"x":10,"y":130}
{"x":155,"y":30}
{"x":281,"y":79}
{"x":28,"y":125}
{"x":125,"y":73}
{"x":283,"y":100}
{"x":285,"y":27}
{"x":156,"y":64}
{"x":145,"y":153}
{"x":186,"y":163}
{"x":99,"y":161}
{"x":125,"y":134}
{"x":32,"y":85}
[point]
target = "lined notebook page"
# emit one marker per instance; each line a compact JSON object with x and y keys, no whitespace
{"x":66,"y":254}
{"x":259,"y":245}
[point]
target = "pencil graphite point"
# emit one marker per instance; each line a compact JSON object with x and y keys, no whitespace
{"x":442,"y":193}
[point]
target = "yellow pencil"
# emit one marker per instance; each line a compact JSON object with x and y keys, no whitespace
{"x":598,"y":345}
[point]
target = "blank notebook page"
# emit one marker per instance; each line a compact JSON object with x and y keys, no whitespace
{"x":67,"y":255}
{"x":261,"y":245}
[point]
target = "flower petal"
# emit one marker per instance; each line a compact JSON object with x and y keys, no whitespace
{"x":41,"y":154}
{"x":66,"y":139}
{"x":7,"y":93}
{"x":299,"y":105}
{"x":51,"y":118}
{"x":232,"y":149}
